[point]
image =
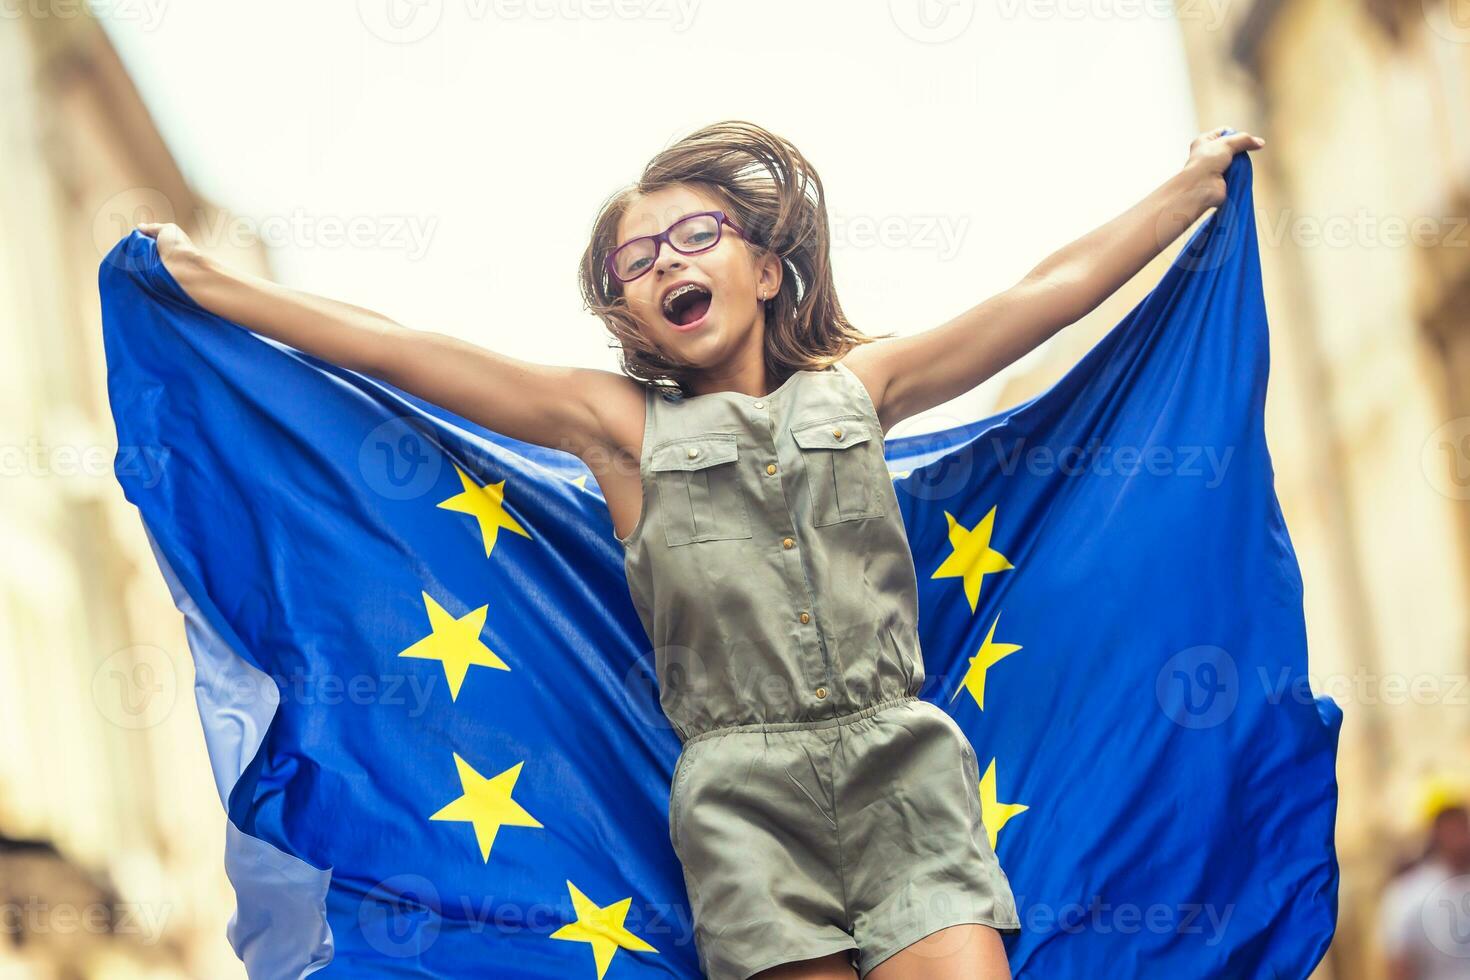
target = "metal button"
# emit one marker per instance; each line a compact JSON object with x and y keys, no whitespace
{"x":805,"y":618}
{"x":770,"y":467}
{"x":821,"y":692}
{"x":760,"y":405}
{"x":693,"y":451}
{"x":837,"y":433}
{"x":787,"y":543}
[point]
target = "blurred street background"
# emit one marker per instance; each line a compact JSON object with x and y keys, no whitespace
{"x":441,"y":161}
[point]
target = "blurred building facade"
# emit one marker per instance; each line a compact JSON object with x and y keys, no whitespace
{"x":111,"y":831}
{"x":1362,"y":193}
{"x":1363,"y":198}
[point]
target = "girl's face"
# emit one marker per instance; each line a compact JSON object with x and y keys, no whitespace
{"x":706,"y":325}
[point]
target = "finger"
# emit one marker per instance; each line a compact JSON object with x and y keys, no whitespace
{"x":1243,"y":141}
{"x":1208,"y":136}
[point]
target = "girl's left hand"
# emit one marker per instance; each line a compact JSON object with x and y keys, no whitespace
{"x":1210,"y":154}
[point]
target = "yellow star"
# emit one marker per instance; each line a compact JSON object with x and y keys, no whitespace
{"x":455,"y":643}
{"x":486,"y":803}
{"x":602,"y":927}
{"x":899,"y":474}
{"x":581,"y":481}
{"x":485,"y":504}
{"x":994,"y":814}
{"x":990,"y":653}
{"x":973,"y":558}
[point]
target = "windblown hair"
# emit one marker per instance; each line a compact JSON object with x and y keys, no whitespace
{"x":774,"y":194}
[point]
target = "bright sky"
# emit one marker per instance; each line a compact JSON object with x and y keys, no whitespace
{"x":442,"y":160}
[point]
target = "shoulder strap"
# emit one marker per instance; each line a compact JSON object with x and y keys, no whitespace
{"x":858,"y":390}
{"x":650,"y":422}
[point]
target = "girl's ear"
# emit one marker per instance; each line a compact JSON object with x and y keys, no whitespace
{"x":768,"y":274}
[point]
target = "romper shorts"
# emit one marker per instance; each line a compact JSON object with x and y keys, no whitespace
{"x":858,"y":832}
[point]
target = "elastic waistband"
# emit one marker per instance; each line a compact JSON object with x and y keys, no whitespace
{"x":789,"y":726}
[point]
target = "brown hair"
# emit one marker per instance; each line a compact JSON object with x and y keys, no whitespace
{"x":772,"y":192}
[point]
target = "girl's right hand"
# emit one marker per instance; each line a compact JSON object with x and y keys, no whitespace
{"x":174,"y":247}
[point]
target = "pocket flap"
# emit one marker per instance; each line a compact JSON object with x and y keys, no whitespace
{"x":838,"y":433}
{"x":695,"y":452}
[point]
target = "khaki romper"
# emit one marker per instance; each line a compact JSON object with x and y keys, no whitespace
{"x":818,"y":804}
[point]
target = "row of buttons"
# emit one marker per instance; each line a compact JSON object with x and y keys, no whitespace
{"x":821,"y":692}
{"x":787,"y":543}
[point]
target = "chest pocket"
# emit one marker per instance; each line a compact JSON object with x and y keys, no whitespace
{"x":843,"y":463}
{"x":699,"y":490}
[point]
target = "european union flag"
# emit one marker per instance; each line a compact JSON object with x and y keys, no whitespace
{"x":431,"y":708}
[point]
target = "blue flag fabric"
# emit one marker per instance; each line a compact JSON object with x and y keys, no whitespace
{"x":432,"y":712}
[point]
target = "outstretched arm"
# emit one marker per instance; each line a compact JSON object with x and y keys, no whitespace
{"x":536,"y":403}
{"x":907,"y":375}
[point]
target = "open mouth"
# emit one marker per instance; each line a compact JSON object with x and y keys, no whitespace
{"x":687,"y":304}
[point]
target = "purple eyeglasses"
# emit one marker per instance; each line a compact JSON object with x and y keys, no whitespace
{"x":690,"y":235}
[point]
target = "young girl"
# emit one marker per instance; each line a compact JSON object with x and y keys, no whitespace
{"x":827,"y":819}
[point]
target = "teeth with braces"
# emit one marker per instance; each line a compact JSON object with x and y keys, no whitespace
{"x":676,"y":293}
